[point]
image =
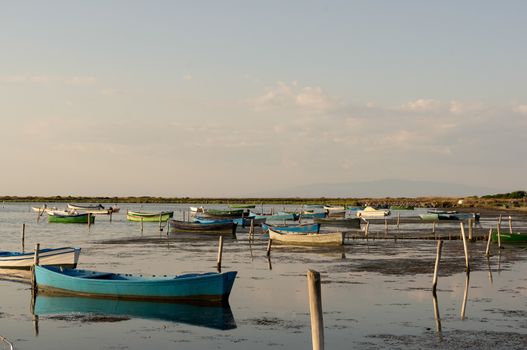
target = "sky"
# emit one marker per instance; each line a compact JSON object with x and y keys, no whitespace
{"x":248,"y":98}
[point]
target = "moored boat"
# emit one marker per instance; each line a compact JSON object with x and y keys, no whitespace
{"x":340,"y":222}
{"x":242,"y":206}
{"x":307,"y":214}
{"x":85,"y":206}
{"x":138,"y":216}
{"x":306,"y":228}
{"x":70,"y":218}
{"x":507,"y":237}
{"x":402,"y":207}
{"x":203,"y":228}
{"x":335,"y":210}
{"x":322,"y":239}
{"x":211,"y":287}
{"x":372,"y":212}
{"x":65,"y":256}
{"x":230,"y":213}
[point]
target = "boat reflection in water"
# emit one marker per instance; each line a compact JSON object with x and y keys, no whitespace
{"x":202,"y":315}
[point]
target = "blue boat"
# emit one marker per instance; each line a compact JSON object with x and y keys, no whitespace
{"x":196,"y":314}
{"x":281,"y":216}
{"x":212,"y":221}
{"x":312,"y":215}
{"x":303,"y":228}
{"x":211,"y":287}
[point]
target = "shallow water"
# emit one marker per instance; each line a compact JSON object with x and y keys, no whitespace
{"x":376,"y":293}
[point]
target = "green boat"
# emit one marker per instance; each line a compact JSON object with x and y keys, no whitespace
{"x":507,"y":237}
{"x":66,"y":218}
{"x":224,"y":213}
{"x":138,"y":216}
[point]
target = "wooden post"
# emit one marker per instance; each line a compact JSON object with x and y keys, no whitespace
{"x":23,"y":236}
{"x":34,"y":287}
{"x":160,"y":228}
{"x":436,"y":267}
{"x":465,"y":248}
{"x":398,"y":219}
{"x":367,"y":229}
{"x":315,"y":309}
{"x":251,"y":231}
{"x":89,"y":220}
{"x":434,"y":227}
{"x":465,"y":296}
{"x":436,"y":313}
{"x":220,"y":252}
{"x":111,"y":213}
{"x":499,"y":236}
{"x":385,"y":225}
{"x":269,"y":247}
{"x":510,"y":224}
{"x":142,"y":225}
{"x":470,"y":224}
{"x":487,"y":251}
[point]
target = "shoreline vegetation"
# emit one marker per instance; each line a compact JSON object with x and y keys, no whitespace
{"x":511,"y":200}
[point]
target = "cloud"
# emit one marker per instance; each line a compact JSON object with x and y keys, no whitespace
{"x":422,"y":105}
{"x":521,"y":109}
{"x":293,"y":96}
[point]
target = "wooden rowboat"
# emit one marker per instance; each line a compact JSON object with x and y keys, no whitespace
{"x":230,"y":213}
{"x":203,"y":228}
{"x":340,"y":222}
{"x":372,"y":212}
{"x":85,"y":207}
{"x":138,"y":216}
{"x":507,"y":237}
{"x":324,"y":239}
{"x":70,"y":218}
{"x":242,"y":206}
{"x":66,"y":257}
{"x":305,"y":228}
{"x":335,"y":210}
{"x":211,"y":287}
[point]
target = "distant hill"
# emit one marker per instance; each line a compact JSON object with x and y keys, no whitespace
{"x":380,"y":189}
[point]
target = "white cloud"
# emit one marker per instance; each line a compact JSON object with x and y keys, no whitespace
{"x":422,"y":105}
{"x":291,"y":96}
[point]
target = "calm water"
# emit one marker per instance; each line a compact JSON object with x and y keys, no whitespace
{"x":376,"y":293}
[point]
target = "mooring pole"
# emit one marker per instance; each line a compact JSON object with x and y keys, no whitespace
{"x":436,"y":267}
{"x":465,"y":248}
{"x":487,"y":251}
{"x":315,"y":309}
{"x":34,"y":286}
{"x":269,"y":247}
{"x":220,"y":252}
{"x":23,"y":236}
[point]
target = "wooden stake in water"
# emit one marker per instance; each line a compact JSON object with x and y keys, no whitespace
{"x":510,"y":224}
{"x":315,"y":309}
{"x":142,"y":225}
{"x":269,"y":247}
{"x":398,"y":219}
{"x":35,"y":263}
{"x":465,"y":296}
{"x":470,"y":224}
{"x":23,"y":236}
{"x":465,"y":248}
{"x":499,"y":236}
{"x":220,"y":253}
{"x":436,"y":313}
{"x":89,"y":220}
{"x":436,"y":267}
{"x":487,"y":251}
{"x":367,"y":229}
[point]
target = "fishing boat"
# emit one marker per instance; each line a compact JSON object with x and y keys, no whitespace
{"x":65,"y":217}
{"x":211,"y":287}
{"x":335,"y":210}
{"x":507,"y":237}
{"x":281,"y":216}
{"x":307,"y":214}
{"x":195,"y":314}
{"x":323,"y":239}
{"x":313,"y":206}
{"x":85,"y":207}
{"x":203,"y":228}
{"x":65,"y":256}
{"x":451,"y":217}
{"x":440,"y":211}
{"x":231,"y":213}
{"x":340,"y":222}
{"x":138,"y":216}
{"x":372,"y":212}
{"x":195,"y":210}
{"x":43,"y":209}
{"x":311,"y":228}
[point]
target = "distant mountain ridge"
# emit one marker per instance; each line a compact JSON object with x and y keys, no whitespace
{"x":383,"y":188}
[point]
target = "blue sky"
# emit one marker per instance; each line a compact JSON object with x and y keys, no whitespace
{"x":215,"y":98}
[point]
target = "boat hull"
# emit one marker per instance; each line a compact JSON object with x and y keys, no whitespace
{"x":212,"y":287}
{"x":304,"y":228}
{"x":316,"y":239}
{"x":507,"y":237}
{"x":348,"y":222}
{"x":71,"y":218}
{"x":203,"y":228}
{"x":66,"y":257}
{"x":149,"y":217}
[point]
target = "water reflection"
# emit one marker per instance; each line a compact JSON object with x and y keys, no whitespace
{"x":216,"y":317}
{"x":465,"y":296}
{"x":436,"y":314}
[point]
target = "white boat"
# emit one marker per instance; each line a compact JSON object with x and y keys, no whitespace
{"x":85,"y":207}
{"x":197,"y":209}
{"x":335,"y":210}
{"x":66,"y":256}
{"x":43,"y":209}
{"x":372,"y":212}
{"x":325,"y":239}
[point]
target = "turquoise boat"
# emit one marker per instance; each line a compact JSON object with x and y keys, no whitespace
{"x":281,"y":216}
{"x":311,"y":215}
{"x":211,"y":287}
{"x":138,"y":216}
{"x":195,"y":314}
{"x":230,"y":213}
{"x":302,"y":228}
{"x":66,"y":218}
